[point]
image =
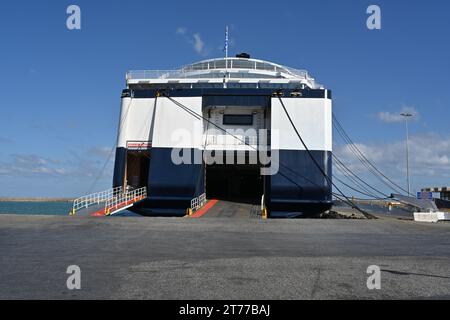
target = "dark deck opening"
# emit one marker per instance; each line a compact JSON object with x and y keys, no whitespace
{"x":239,"y":183}
{"x":137,"y":166}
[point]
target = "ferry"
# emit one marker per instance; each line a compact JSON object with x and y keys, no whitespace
{"x":235,"y":128}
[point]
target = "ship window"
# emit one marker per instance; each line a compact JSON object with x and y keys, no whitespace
{"x":265,"y":85}
{"x":242,"y":101}
{"x":219,"y":64}
{"x":238,"y":119}
{"x":264,"y":66}
{"x":198,"y":66}
{"x":206,"y":85}
{"x":242,"y":85}
{"x":243,"y":64}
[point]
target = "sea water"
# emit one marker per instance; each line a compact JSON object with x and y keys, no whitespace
{"x":38,"y":208}
{"x":55,"y":208}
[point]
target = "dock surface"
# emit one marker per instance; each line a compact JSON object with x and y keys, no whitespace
{"x":233,"y":210}
{"x":217,"y":258}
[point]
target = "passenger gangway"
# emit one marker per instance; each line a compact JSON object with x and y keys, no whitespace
{"x":108,"y":202}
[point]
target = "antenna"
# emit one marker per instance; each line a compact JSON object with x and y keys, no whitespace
{"x":226,"y":42}
{"x":226,"y":50}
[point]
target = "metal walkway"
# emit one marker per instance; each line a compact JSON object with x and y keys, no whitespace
{"x":237,"y":208}
{"x":107,"y":202}
{"x":234,"y":210}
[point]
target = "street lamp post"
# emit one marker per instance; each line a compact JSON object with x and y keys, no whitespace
{"x":406,"y":116}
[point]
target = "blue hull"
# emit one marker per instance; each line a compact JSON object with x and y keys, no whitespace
{"x":298,"y":189}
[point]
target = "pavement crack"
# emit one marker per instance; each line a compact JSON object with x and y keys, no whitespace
{"x":402,"y":273}
{"x":316,"y":284}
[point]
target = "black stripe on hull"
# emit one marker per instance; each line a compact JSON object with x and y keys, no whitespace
{"x":140,"y":91}
{"x":171,"y":186}
{"x":299,"y":188}
{"x":119,"y":167}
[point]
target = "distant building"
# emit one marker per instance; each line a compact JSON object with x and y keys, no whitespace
{"x":444,"y":192}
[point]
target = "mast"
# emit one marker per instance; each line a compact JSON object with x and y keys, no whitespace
{"x":226,"y":50}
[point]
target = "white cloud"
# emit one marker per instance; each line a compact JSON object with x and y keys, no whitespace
{"x":195,"y":40}
{"x":181,"y":30}
{"x":392,"y":117}
{"x":199,"y":45}
{"x":429,"y":156}
{"x":78,"y":165}
{"x":101,"y":152}
{"x":29,"y":164}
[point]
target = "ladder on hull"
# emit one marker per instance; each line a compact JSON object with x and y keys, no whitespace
{"x":108,"y":202}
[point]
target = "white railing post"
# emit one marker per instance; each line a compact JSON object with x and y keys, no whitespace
{"x":113,"y":198}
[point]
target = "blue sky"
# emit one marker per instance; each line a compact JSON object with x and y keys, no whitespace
{"x":61,"y":89}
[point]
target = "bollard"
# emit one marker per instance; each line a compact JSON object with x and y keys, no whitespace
{"x":264,"y":213}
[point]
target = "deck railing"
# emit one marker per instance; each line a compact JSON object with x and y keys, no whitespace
{"x":236,"y":68}
{"x":230,"y":140}
{"x":124,"y":199}
{"x":198,"y":202}
{"x":86,"y":201}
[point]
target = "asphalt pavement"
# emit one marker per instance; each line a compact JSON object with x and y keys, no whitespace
{"x":219,"y":258}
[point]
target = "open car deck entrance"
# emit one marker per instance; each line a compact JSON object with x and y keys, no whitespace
{"x":137,"y":166}
{"x":240,"y":183}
